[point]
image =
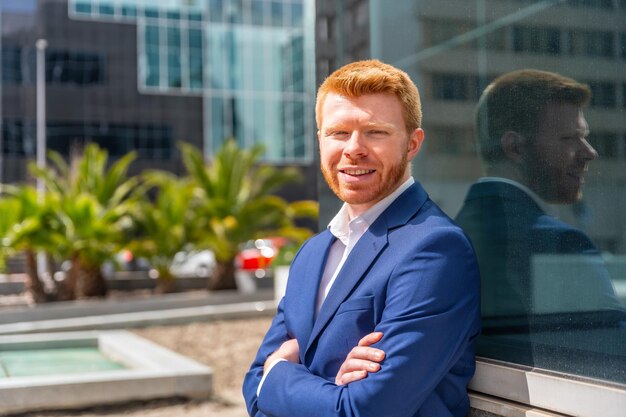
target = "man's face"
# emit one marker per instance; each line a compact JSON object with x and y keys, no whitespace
{"x":365,"y":148}
{"x":559,"y":156}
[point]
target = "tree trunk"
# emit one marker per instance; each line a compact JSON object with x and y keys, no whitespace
{"x":223,"y":277}
{"x":89,"y":281}
{"x":34,"y":286}
{"x":67,"y":288}
{"x":166,"y":283}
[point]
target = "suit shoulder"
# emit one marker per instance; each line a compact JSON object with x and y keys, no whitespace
{"x":432,"y":224}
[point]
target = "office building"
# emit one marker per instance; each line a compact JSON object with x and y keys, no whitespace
{"x":139,"y":75}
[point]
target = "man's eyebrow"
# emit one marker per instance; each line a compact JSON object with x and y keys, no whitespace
{"x":375,"y":124}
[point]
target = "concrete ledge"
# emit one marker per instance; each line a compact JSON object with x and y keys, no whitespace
{"x":153,"y":372}
{"x":70,"y":309}
{"x":143,"y":318}
{"x":546,"y":392}
{"x":486,"y":406}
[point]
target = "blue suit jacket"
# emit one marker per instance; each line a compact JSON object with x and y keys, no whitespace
{"x":509,"y":229}
{"x":412,"y":276}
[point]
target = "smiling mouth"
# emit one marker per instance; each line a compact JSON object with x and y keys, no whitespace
{"x":357,"y":172}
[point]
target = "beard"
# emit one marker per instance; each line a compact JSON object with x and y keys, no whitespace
{"x":359,"y":194}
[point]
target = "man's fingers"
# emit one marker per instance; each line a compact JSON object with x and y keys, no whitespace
{"x":370,"y":339}
{"x":351,"y":377}
{"x":345,"y":379}
{"x":361,"y":360}
{"x":367,"y":353}
{"x":352,"y":365}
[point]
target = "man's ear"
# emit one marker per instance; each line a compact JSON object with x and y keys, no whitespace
{"x":415,"y":143}
{"x":513,"y":145}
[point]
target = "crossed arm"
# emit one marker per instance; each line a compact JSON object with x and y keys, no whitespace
{"x":361,"y":360}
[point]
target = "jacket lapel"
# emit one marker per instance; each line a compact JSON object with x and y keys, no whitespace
{"x":364,"y":254}
{"x":303,"y":305}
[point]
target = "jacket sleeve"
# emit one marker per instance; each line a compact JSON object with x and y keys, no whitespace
{"x":430,"y":319}
{"x":275,"y":336}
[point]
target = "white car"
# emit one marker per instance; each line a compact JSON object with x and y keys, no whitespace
{"x":193,"y":264}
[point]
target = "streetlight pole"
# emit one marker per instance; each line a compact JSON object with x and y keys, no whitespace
{"x":41,"y":46}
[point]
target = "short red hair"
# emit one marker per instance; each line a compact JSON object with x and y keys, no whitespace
{"x":373,"y":77}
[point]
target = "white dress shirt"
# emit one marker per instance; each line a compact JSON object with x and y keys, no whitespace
{"x":348,"y":232}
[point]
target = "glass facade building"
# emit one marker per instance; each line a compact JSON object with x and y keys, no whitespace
{"x":246,"y":59}
{"x":140,"y":75}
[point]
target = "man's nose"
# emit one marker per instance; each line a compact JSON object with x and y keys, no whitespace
{"x":587,"y":152}
{"x":355,"y":146}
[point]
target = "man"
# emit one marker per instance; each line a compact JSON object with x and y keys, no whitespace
{"x":532,"y":138}
{"x":381,"y":309}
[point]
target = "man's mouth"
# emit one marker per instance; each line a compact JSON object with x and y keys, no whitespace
{"x":578,"y":176}
{"x":357,"y":172}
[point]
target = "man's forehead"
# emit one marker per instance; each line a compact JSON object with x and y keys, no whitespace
{"x":562,"y":117}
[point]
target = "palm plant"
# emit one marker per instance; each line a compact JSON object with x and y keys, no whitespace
{"x":92,"y":205}
{"x":236,"y":204}
{"x":27,"y":226}
{"x":165,"y":226}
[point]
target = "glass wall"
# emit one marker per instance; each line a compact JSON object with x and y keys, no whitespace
{"x":542,"y":194}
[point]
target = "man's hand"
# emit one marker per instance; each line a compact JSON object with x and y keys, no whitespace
{"x":289,"y":351}
{"x":361,"y":360}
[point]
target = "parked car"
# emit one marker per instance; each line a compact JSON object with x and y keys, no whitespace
{"x":193,"y":264}
{"x":258,"y":254}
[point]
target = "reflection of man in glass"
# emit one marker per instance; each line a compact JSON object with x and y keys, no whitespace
{"x":532,"y":138}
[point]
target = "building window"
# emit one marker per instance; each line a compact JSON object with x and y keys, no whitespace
{"x":593,"y":4}
{"x":82,"y":7}
{"x":443,"y":140}
{"x":458,"y":86}
{"x":17,"y":138}
{"x":536,"y":40}
{"x":604,"y":94}
{"x":440,"y":31}
{"x":69,"y":67}
{"x":591,"y":43}
{"x":450,"y":87}
{"x":150,"y":141}
{"x":606,"y":144}
{"x":11,"y":64}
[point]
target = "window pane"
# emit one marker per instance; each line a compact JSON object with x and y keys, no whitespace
{"x":546,"y":223}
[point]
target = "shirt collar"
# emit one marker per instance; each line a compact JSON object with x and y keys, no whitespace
{"x":340,"y":225}
{"x":531,"y":193}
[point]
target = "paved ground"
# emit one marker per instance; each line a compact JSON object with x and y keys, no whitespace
{"x":226,"y":346}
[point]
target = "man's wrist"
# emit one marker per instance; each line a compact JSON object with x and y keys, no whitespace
{"x":269,"y":364}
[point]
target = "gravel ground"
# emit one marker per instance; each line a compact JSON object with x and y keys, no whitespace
{"x":226,"y":346}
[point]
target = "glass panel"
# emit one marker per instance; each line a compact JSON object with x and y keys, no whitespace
{"x":106,"y":10}
{"x":173,"y":70}
{"x":547,"y":226}
{"x":216,"y":10}
{"x":130,"y":11}
{"x":297,"y":14}
{"x":195,"y":69}
{"x":195,"y":16}
{"x":277,"y":12}
{"x":173,"y":15}
{"x":153,"y":68}
{"x":151,"y":12}
{"x":83,"y":7}
{"x":258,"y":12}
